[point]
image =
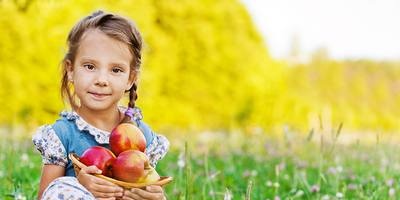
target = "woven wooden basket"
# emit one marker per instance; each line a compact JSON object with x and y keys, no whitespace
{"x":78,"y":166}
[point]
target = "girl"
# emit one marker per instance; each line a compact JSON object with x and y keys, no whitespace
{"x":102,"y":63}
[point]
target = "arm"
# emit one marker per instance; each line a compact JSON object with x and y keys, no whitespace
{"x":49,"y":173}
{"x":54,"y":157}
{"x":97,"y":186}
{"x":100,"y":188}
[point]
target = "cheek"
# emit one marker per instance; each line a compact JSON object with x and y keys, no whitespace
{"x":82,"y":83}
{"x":123,"y":87}
{"x":123,"y":82}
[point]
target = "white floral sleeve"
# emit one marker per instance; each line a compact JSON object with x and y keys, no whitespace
{"x":157,"y":149}
{"x":50,"y":147}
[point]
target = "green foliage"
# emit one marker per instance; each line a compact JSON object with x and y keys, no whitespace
{"x":290,"y":169}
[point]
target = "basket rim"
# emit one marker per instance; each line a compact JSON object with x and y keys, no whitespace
{"x":161,"y":182}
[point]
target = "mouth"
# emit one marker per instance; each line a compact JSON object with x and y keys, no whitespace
{"x":99,"y":95}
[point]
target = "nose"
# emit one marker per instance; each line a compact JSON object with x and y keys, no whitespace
{"x":101,"y":79}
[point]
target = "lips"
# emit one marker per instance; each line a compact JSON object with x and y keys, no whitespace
{"x":99,"y":95}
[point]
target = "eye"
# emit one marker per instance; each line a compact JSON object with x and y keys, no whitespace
{"x":89,"y":66}
{"x":117,"y":70}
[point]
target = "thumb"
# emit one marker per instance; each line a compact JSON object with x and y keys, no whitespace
{"x":91,"y":170}
{"x":154,"y":188}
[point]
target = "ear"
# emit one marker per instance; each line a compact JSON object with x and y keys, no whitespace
{"x":131,"y":81}
{"x":130,"y":84}
{"x":70,"y":69}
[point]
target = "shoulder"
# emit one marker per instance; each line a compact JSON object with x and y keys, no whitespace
{"x":47,"y":142}
{"x":52,"y":135}
{"x":44,"y":134}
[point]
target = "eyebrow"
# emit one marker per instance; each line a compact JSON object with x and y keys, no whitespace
{"x":88,"y":59}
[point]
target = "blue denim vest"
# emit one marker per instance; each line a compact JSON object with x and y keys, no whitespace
{"x":78,"y":141}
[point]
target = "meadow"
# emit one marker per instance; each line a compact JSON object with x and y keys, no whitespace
{"x":217,"y":166}
{"x":207,"y":67}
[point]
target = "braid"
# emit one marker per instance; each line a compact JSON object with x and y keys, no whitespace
{"x":132,"y":98}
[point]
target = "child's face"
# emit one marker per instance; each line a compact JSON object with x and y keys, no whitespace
{"x":101,"y":71}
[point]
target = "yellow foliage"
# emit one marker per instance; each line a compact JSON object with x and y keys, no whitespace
{"x":205,"y":67}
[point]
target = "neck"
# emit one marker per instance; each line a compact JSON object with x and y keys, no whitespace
{"x":105,"y":119}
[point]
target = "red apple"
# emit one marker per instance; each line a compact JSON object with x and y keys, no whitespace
{"x":127,"y":136}
{"x":130,"y":166}
{"x":99,"y":156}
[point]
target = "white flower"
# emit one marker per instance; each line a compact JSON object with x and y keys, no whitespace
{"x":19,"y":196}
{"x":339,"y":195}
{"x":268,"y":183}
{"x":254,"y":173}
{"x":332,"y":170}
{"x":212,"y":193}
{"x":286,"y":177}
{"x":339,"y":169}
{"x":392,"y":191}
{"x":228,"y":194}
{"x":24,"y":157}
{"x":389,"y":182}
{"x":276,"y":184}
{"x":325,"y":197}
{"x":315,"y":189}
{"x":352,"y":186}
{"x":181,"y":160}
{"x":299,"y":193}
{"x":213,"y":175}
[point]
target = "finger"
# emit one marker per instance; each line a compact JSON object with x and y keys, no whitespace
{"x":115,"y":190}
{"x":103,"y":186}
{"x":97,"y":180}
{"x":90,"y":170}
{"x":130,"y":198}
{"x":109,"y":198}
{"x":154,"y":189}
{"x":146,"y":194}
{"x":101,"y":181}
{"x":101,"y":194}
{"x":128,"y":195}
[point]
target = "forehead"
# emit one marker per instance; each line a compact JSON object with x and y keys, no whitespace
{"x":97,"y":45}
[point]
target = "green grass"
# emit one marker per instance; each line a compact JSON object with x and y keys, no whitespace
{"x":255,"y":169}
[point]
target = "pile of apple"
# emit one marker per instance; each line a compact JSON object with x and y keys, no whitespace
{"x":126,"y":161}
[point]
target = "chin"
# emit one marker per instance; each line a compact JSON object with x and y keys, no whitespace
{"x":98,"y":106}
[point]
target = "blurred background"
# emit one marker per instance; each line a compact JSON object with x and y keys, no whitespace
{"x":220,"y":66}
{"x":253,"y":95}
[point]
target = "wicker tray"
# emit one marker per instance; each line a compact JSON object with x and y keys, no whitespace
{"x":78,"y":166}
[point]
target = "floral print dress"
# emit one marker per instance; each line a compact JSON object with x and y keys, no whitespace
{"x":71,"y":133}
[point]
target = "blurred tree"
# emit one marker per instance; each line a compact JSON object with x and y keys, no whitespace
{"x":205,"y":65}
{"x":205,"y":68}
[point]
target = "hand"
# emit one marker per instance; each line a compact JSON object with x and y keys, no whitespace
{"x":101,"y":189}
{"x":151,"y":192}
